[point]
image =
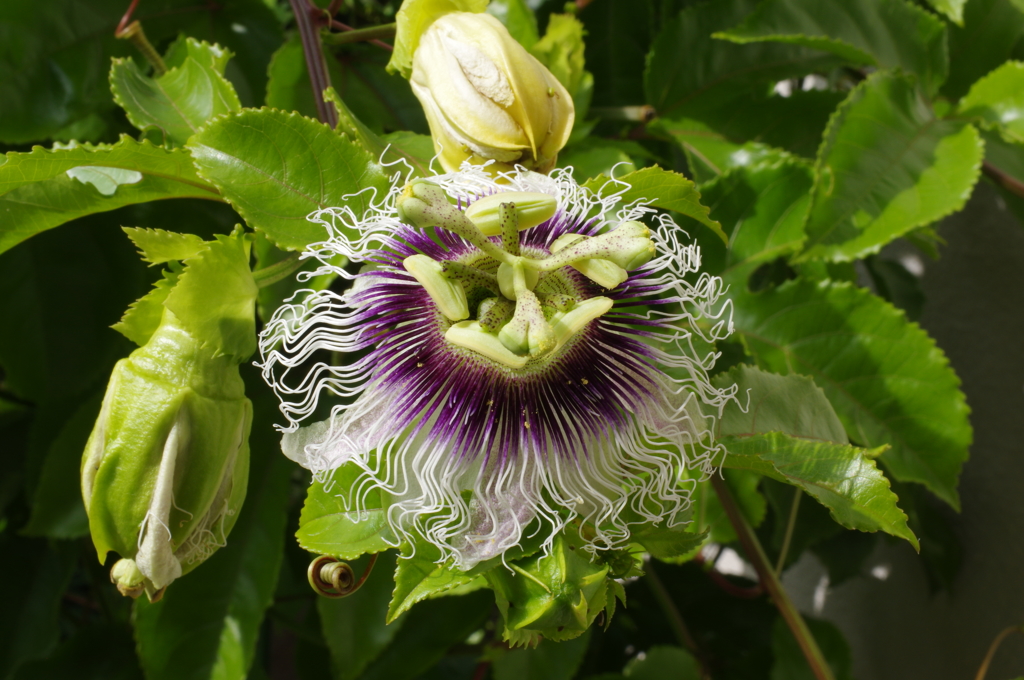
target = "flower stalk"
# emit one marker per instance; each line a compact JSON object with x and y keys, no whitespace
{"x":755,"y":553}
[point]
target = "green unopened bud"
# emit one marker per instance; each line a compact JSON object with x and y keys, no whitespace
{"x":129,"y":580}
{"x":447,"y":294}
{"x":557,"y":595}
{"x":531,"y":209}
{"x":164,"y":472}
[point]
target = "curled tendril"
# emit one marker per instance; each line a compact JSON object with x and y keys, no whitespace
{"x":330,"y":577}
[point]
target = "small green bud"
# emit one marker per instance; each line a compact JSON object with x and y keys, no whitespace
{"x":164,"y":472}
{"x":129,"y":580}
{"x":531,"y":209}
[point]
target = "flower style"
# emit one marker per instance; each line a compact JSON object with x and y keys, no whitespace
{"x":524,"y":354}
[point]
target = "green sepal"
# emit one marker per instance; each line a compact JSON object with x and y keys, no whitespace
{"x":556,"y":595}
{"x":143,"y":316}
{"x":215,"y":297}
{"x":331,"y":524}
{"x":414,"y":18}
{"x":159,"y":245}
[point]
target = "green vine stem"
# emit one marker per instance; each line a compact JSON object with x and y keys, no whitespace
{"x":983,"y":668}
{"x":372,"y":34}
{"x":134,"y":33}
{"x":675,"y":619}
{"x":755,"y":553}
{"x":1003,"y":179}
{"x":319,"y":79}
{"x":794,"y":510}
{"x":275,"y":272}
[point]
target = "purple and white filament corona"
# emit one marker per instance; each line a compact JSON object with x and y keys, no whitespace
{"x":596,"y":430}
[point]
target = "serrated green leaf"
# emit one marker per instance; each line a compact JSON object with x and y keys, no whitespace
{"x":207,"y":623}
{"x":997,"y":100}
{"x":331,"y":525}
{"x":159,"y":245}
{"x":769,"y":402}
{"x":215,"y":297}
{"x":276,"y":168}
{"x":183,"y":99}
{"x":143,"y":317}
{"x":919,"y":170}
{"x":662,"y":189}
{"x":843,"y":478}
{"x":668,"y":543}
{"x":710,"y":74}
{"x":951,"y":9}
{"x":991,"y":29}
{"x":105,"y":180}
{"x":419,"y":577}
{"x":882,"y":33}
{"x":886,"y":379}
{"x":37,"y":194}
{"x":762,"y":210}
{"x":354,"y":627}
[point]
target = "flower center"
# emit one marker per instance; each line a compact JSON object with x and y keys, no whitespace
{"x":524,"y":304}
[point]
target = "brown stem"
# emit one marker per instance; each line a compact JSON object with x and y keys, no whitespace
{"x":720,"y":579}
{"x":319,"y":79}
{"x":983,"y":669}
{"x":1003,"y":179}
{"x":351,"y":35}
{"x":755,"y":553}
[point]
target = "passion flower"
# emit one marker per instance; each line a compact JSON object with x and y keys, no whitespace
{"x":492,"y":375}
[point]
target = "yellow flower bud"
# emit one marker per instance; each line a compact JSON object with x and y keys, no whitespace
{"x":486,"y":98}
